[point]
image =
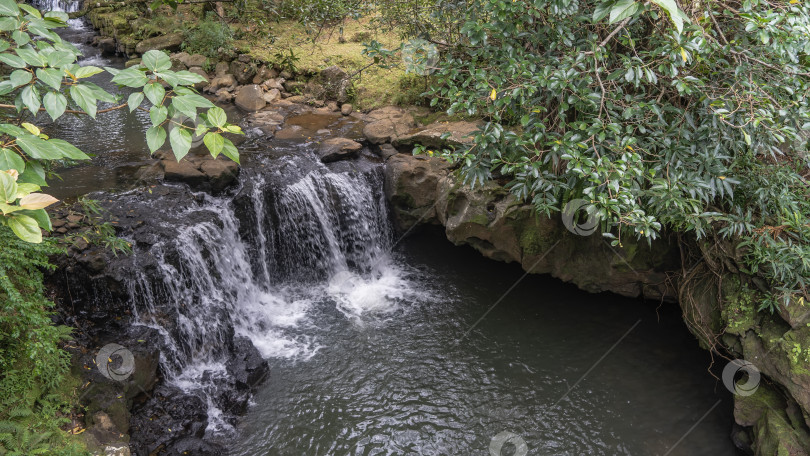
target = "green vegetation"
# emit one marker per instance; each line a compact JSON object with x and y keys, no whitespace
{"x":665,"y":120}
{"x":35,"y":384}
{"x":209,"y":37}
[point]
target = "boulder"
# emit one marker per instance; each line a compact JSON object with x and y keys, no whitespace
{"x":346,"y":109}
{"x":223,"y":96}
{"x":221,"y":69}
{"x":170,"y":42}
{"x":193,"y":60}
{"x":335,"y":149}
{"x":220,"y":173}
{"x":243,"y":71}
{"x":274,"y":83}
{"x":201,"y":72}
{"x":272,"y":95}
{"x":226,"y":81}
{"x":132,"y":62}
{"x":107,"y":46}
{"x":335,"y":83}
{"x":461,"y":134}
{"x":183,"y":171}
{"x":250,"y":98}
{"x":388,"y":123}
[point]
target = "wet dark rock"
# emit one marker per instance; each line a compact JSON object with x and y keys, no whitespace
{"x":168,"y":422}
{"x":246,"y":366}
{"x":107,"y":46}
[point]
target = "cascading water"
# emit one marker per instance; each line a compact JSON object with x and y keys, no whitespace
{"x":331,"y":237}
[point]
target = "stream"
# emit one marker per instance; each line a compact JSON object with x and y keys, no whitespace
{"x":377,"y":344}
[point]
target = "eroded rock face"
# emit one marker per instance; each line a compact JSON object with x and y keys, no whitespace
{"x":490,"y":219}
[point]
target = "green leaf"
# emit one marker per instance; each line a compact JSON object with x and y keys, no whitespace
{"x":67,"y":149}
{"x":184,"y":105}
{"x":30,"y":97}
{"x":41,"y":216}
{"x":622,"y":9}
{"x":156,"y":61}
{"x":9,"y":8}
{"x":20,"y":77}
{"x":131,"y":77}
{"x":87,"y":71}
{"x":84,"y":97}
{"x":12,"y":60}
{"x":214,"y":142}
{"x":20,"y":37}
{"x":33,"y":174}
{"x":55,"y":104}
{"x":155,"y":137}
{"x":187,"y":78}
{"x":51,"y":76}
{"x":601,"y":10}
{"x":675,"y":14}
{"x":180,"y":140}
{"x":38,"y":148}
{"x":31,"y":56}
{"x":100,"y":93}
{"x":154,"y":93}
{"x":217,"y":117}
{"x":134,"y":100}
{"x":25,"y":227}
{"x":158,"y":114}
{"x":11,"y":160}
{"x":8,"y":188}
{"x":229,"y":150}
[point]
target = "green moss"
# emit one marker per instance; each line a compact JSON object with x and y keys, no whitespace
{"x":739,"y":307}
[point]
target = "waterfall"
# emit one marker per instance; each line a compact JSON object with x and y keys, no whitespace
{"x":256,"y":272}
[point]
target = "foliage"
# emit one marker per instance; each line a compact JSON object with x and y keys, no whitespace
{"x":208,"y":36}
{"x":661,"y":119}
{"x":33,"y":369}
{"x":44,"y":77}
{"x":321,"y":11}
{"x":286,"y":62}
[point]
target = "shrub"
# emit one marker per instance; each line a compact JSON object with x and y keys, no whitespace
{"x":209,"y":36}
{"x":659,"y":119}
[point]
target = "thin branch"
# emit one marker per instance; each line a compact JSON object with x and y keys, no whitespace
{"x":70,"y":111}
